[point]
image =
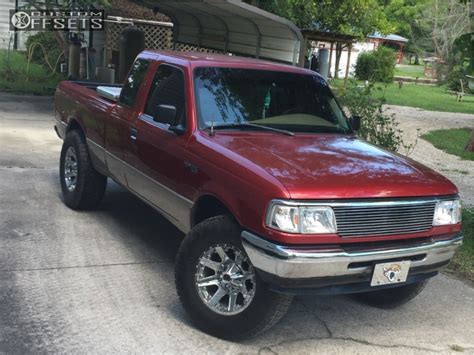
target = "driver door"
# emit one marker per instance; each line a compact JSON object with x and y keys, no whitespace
{"x":159,"y":154}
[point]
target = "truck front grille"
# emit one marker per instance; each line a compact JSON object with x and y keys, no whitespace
{"x":384,"y":218}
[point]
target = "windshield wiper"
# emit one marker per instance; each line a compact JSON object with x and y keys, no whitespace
{"x":248,"y":125}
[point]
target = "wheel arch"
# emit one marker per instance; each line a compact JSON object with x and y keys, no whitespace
{"x":75,"y":125}
{"x":207,"y":206}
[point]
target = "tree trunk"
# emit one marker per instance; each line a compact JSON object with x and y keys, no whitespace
{"x":471,"y":59}
{"x":470,"y":144}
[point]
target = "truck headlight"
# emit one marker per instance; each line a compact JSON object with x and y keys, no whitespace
{"x":302,"y":219}
{"x":447,"y":212}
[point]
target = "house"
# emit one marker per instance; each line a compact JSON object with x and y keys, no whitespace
{"x":393,"y":41}
{"x":352,"y":48}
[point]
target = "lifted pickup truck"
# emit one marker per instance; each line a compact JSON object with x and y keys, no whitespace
{"x":258,"y":165}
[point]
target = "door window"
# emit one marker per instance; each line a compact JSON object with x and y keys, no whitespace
{"x":167,"y":88}
{"x":132,"y":84}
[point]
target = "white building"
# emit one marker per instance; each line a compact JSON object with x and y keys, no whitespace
{"x":7,"y":37}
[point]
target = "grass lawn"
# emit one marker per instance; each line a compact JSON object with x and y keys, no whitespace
{"x":452,"y":141}
{"x":411,"y":71}
{"x":14,"y":78}
{"x":426,"y":97}
{"x":463,"y":261}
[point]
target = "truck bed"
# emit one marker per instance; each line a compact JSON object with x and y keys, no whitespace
{"x":79,"y":99}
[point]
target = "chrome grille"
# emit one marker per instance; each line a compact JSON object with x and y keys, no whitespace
{"x":379,"y":218}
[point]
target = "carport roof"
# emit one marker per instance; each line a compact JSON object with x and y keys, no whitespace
{"x":232,"y":26}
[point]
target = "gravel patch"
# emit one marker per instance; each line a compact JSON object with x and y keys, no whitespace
{"x":460,"y":172}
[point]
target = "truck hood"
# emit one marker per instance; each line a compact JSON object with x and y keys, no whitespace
{"x":328,"y":166}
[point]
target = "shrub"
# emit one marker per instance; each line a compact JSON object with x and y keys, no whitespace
{"x":454,"y":76}
{"x":50,"y":44}
{"x":15,"y":77}
{"x":376,"y":66}
{"x":376,"y":127}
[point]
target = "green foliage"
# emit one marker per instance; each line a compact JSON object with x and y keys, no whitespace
{"x":452,"y":141}
{"x":359,"y":18}
{"x":376,"y":66}
{"x":454,"y":77}
{"x":408,"y":18}
{"x":462,"y":48}
{"x":48,"y":41}
{"x":376,"y":127}
{"x":463,"y":261}
{"x":14,"y":76}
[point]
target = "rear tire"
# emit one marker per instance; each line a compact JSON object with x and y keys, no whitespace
{"x":82,"y":186}
{"x":391,"y":297}
{"x":237,"y":307}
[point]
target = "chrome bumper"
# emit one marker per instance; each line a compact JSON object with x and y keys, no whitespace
{"x":293,"y":262}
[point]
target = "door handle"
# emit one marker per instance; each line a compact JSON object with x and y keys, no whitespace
{"x":133,"y":133}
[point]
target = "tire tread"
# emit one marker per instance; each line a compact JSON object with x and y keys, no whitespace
{"x":91,"y":184}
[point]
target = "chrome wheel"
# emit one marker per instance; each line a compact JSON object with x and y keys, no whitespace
{"x":70,"y":169}
{"x":225,"y":279}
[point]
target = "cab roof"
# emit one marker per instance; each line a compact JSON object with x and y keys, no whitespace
{"x":200,"y":59}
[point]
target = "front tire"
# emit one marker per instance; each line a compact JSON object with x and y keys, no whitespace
{"x":82,"y":186}
{"x":391,"y":297}
{"x":218,"y":285}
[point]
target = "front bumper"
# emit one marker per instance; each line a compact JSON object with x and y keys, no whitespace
{"x":326,"y":266}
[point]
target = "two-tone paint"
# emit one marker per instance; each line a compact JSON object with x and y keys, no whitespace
{"x":243,"y":171}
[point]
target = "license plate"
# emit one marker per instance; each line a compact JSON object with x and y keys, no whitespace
{"x":390,"y":273}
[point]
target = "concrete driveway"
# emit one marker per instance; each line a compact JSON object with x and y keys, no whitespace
{"x":102,"y":281}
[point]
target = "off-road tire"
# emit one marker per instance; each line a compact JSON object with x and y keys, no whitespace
{"x":90,"y":184}
{"x":265,"y":309}
{"x":391,"y":297}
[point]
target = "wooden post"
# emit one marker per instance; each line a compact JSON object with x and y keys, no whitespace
{"x":348,"y":63}
{"x":304,"y":55}
{"x":330,"y":60}
{"x":400,"y":54}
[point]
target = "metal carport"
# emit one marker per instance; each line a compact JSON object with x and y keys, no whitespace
{"x":232,"y":26}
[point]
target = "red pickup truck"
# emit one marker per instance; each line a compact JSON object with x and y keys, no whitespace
{"x":258,"y":165}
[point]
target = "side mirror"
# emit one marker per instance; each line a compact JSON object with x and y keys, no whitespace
{"x":166,"y":114}
{"x":354,"y":121}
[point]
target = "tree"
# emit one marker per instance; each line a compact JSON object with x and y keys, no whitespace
{"x":358,"y":18}
{"x":408,"y":18}
{"x":470,"y":144}
{"x":449,"y":20}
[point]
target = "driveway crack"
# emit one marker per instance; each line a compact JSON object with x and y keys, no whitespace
{"x":270,"y":348}
{"x":330,"y":336}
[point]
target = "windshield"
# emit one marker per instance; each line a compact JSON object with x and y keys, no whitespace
{"x":297,"y":103}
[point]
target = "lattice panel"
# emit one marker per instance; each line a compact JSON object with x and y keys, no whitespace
{"x":156,"y":37}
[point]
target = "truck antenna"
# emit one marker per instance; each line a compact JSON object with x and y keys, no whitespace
{"x":211,"y":132}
